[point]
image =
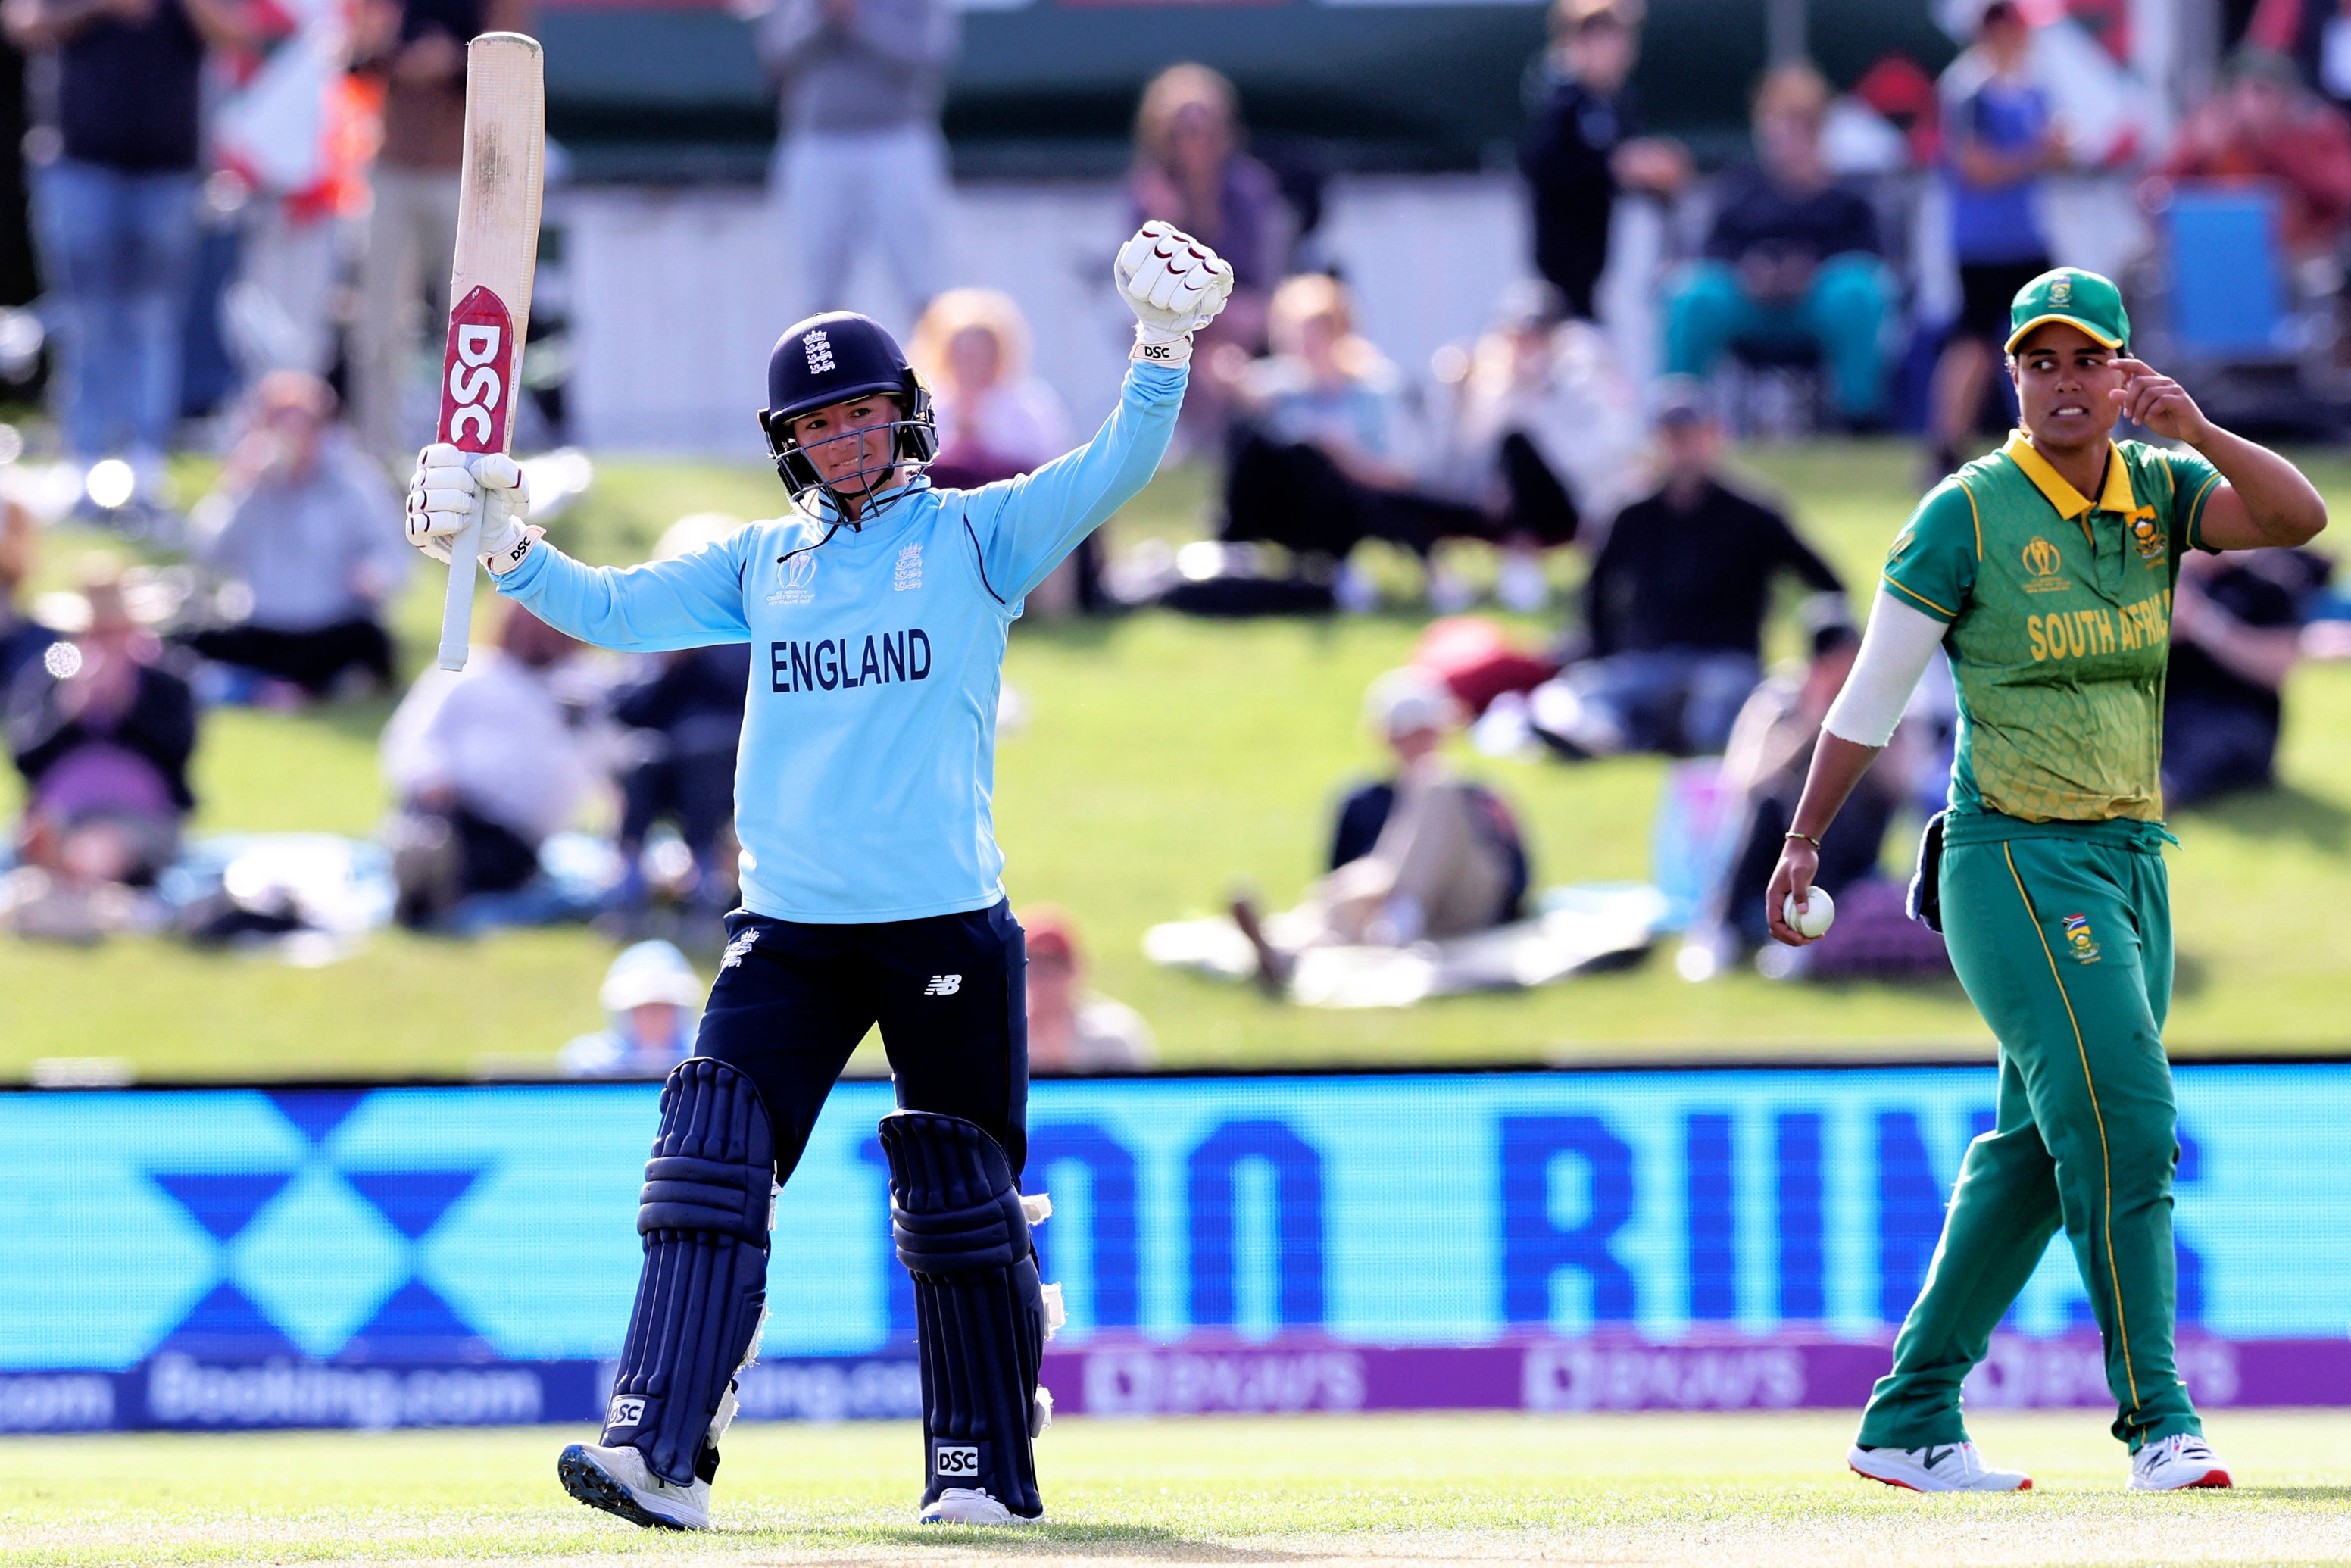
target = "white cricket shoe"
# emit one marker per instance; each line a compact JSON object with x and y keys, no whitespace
{"x":969,"y":1505}
{"x":2176,"y":1463}
{"x":616,"y":1480}
{"x":1940,"y":1467}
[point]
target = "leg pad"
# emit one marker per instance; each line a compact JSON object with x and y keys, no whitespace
{"x":957,"y":1217}
{"x":704,"y":1212}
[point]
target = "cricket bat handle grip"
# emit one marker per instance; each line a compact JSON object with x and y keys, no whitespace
{"x":457,"y":608}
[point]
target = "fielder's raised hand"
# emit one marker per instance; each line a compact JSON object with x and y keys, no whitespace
{"x":1174,"y":285}
{"x":2155,"y":402}
{"x":446,"y":489}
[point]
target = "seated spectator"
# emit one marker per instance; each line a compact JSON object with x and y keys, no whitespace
{"x":1673,"y":606}
{"x":1072,"y":1029}
{"x":2265,"y":127}
{"x":997,"y":419}
{"x":1769,"y":754}
{"x":2236,"y":632}
{"x":685,"y":716}
{"x":102,"y":733}
{"x":652,"y":1002}
{"x":1539,"y":430}
{"x":1319,"y":460}
{"x":1423,"y":855}
{"x":487,"y":764}
{"x":23,"y":640}
{"x":1998,"y":140}
{"x":1792,"y":260}
{"x":307,"y":536}
{"x":1190,"y":171}
{"x":1584,"y":144}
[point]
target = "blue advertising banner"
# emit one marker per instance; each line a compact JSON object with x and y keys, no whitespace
{"x":416,"y":1255}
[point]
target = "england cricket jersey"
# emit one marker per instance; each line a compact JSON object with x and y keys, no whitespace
{"x":861,"y":791}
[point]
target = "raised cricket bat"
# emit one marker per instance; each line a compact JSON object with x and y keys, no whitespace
{"x":489,"y":285}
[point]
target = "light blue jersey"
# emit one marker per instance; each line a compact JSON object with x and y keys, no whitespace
{"x":862,"y":792}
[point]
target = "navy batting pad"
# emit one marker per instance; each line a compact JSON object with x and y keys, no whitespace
{"x":979,"y":1314}
{"x":704,"y":1213}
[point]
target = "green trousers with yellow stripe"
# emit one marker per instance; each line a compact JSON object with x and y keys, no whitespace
{"x":2062,"y":934}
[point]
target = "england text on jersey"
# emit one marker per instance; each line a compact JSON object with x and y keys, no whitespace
{"x":829,"y":663}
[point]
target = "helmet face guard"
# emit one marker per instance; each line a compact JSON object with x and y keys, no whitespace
{"x":912,"y":442}
{"x":828,"y":361}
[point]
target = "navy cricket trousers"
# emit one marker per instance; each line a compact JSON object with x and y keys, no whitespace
{"x":793,"y":999}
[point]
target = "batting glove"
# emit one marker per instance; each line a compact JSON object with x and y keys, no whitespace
{"x":447,"y":489}
{"x":1174,"y":285}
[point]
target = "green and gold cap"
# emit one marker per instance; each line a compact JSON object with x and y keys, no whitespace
{"x":2077,"y":297}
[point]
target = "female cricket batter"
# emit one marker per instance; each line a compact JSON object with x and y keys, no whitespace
{"x":2046,"y":569}
{"x":877,"y":613}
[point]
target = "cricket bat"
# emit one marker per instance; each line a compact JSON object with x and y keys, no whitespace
{"x":489,"y":283}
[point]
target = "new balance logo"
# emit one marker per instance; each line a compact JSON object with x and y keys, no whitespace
{"x":738,"y":947}
{"x":819,"y":347}
{"x":944,"y":986}
{"x":1931,"y":1457}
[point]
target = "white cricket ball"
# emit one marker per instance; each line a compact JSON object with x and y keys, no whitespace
{"x":1816,"y":918}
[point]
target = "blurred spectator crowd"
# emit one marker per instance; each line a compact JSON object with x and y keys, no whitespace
{"x":1799,"y":289}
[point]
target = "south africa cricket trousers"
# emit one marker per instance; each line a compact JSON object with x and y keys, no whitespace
{"x":2061,"y":932}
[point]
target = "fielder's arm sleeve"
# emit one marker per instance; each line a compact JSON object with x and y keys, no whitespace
{"x":689,"y":602}
{"x":1893,"y":654}
{"x":1022,"y":527}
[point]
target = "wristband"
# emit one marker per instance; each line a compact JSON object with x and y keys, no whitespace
{"x":1806,"y":837}
{"x":1156,"y":348}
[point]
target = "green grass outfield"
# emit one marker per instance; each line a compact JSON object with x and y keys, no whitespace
{"x":1661,"y":1489}
{"x":1165,"y":758}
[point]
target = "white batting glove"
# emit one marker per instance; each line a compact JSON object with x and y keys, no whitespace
{"x":1174,"y":285}
{"x":444,"y":493}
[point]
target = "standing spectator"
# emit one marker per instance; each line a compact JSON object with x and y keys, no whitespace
{"x":860,"y":157}
{"x":1998,"y":140}
{"x":2264,"y":127}
{"x":22,"y":638}
{"x":291,"y":128}
{"x":1584,"y":145}
{"x":2236,"y":635}
{"x":1793,"y":257}
{"x":115,"y":210}
{"x":1190,"y":171}
{"x":309,"y":538}
{"x":1674,"y":607}
{"x":102,"y":733}
{"x":1072,"y":1029}
{"x":416,"y":48}
{"x":487,"y":766}
{"x":651,"y":1000}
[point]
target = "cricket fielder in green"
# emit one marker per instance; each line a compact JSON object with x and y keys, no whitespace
{"x":2045,"y":571}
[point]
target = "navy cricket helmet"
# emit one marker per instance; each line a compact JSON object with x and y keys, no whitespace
{"x":831,"y":359}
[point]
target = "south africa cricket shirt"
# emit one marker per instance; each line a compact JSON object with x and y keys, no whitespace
{"x":2059,"y":610}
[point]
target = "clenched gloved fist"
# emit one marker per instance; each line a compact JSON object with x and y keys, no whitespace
{"x":449,"y":486}
{"x":1174,"y":285}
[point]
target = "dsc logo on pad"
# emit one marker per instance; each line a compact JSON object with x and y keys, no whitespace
{"x":626,"y":1412}
{"x":955,"y":1461}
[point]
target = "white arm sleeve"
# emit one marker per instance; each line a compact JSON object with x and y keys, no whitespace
{"x":1893,"y":654}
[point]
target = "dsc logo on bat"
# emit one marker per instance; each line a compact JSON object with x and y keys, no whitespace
{"x":473,"y":389}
